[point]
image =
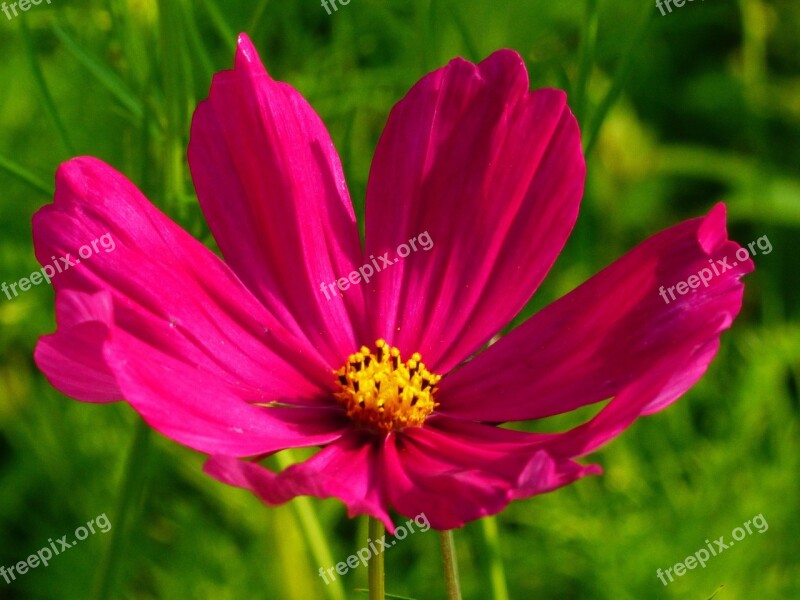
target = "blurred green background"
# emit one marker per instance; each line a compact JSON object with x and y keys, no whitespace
{"x":677,"y":111}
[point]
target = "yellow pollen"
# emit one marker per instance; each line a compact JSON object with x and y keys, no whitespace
{"x":382,"y":393}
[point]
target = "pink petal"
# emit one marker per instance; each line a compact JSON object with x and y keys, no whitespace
{"x":663,"y":383}
{"x":348,"y":469}
{"x":593,"y":342}
{"x":494,"y":174}
{"x":187,"y":343}
{"x":421,"y":470}
{"x":72,"y":359}
{"x":208,"y":411}
{"x":272,"y":188}
{"x":455,"y":471}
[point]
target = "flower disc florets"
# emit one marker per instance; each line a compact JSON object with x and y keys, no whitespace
{"x":382,"y":393}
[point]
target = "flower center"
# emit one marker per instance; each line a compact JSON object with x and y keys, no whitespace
{"x":382,"y":393}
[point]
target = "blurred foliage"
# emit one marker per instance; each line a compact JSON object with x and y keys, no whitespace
{"x":694,"y":107}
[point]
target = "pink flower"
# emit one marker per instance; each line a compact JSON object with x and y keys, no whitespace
{"x":247,"y":357}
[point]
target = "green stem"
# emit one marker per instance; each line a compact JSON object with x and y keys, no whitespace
{"x":129,"y":494}
{"x":450,"y":565}
{"x":496,"y":571}
{"x":375,"y":567}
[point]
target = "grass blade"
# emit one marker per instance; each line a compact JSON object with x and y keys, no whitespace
{"x":620,"y":77}
{"x":25,"y":176}
{"x":312,"y":530}
{"x":473,"y":54}
{"x":497,"y":572}
{"x":44,"y":91}
{"x":255,"y":21}
{"x":223,"y":29}
{"x":588,"y":45}
{"x":105,"y":76}
{"x":131,"y":483}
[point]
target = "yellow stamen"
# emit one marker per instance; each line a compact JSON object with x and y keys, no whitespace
{"x":382,"y":393}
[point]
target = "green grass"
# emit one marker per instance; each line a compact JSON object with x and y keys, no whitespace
{"x":680,"y":112}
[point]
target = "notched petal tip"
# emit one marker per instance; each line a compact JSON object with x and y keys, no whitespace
{"x":75,"y":178}
{"x":74,"y":169}
{"x":503,"y":61}
{"x":72,"y":357}
{"x":713,"y":231}
{"x":712,"y":236}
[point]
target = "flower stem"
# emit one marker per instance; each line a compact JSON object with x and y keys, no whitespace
{"x":375,"y":567}
{"x":450,"y":565}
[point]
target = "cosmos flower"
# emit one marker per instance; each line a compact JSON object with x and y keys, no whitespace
{"x":393,"y":379}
